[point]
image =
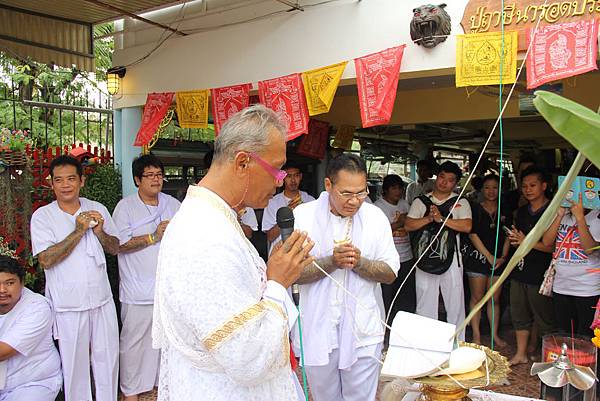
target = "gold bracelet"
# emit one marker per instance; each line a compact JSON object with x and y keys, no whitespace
{"x":150,"y":239}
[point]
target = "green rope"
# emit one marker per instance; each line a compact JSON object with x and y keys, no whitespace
{"x":498,"y":212}
{"x":304,"y":381}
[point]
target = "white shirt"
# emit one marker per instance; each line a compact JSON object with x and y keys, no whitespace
{"x":278,"y":201}
{"x":462,"y":210}
{"x":37,"y":361}
{"x":78,"y":282}
{"x":416,"y":188}
{"x":572,"y":262}
{"x":324,"y":305}
{"x":401,"y":237}
{"x":137,"y":270}
{"x":215,"y":344}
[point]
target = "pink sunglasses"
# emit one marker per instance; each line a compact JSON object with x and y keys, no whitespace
{"x":279,"y":175}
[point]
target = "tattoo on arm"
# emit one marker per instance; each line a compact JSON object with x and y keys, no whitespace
{"x":375,"y":270}
{"x":312,"y":273}
{"x":134,"y":244}
{"x":58,"y":252}
{"x":109,"y":243}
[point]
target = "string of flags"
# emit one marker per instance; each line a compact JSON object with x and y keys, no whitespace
{"x":559,"y":51}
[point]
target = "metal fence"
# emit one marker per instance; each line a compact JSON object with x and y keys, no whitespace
{"x":59,"y":120}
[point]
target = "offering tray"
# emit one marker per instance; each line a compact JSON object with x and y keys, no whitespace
{"x":443,"y":388}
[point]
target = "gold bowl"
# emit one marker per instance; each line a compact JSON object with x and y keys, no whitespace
{"x":456,"y":387}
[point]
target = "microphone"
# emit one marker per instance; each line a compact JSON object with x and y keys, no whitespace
{"x":285,"y":222}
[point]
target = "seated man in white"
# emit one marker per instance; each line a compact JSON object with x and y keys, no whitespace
{"x":29,"y":361}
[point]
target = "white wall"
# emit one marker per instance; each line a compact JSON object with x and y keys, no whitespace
{"x":283,"y":44}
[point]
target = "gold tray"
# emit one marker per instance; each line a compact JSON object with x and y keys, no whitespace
{"x":498,"y":371}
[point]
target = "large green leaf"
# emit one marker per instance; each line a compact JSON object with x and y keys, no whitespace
{"x":574,"y":122}
{"x":532,"y":238}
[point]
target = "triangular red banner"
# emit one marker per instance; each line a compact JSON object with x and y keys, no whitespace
{"x":377,"y":82}
{"x":286,"y":96}
{"x":314,"y":144}
{"x":562,"y":50}
{"x":157,"y":105}
{"x":227,"y":101}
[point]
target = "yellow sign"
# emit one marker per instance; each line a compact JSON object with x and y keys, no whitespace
{"x":192,"y":108}
{"x":480,"y":55}
{"x":320,"y":86}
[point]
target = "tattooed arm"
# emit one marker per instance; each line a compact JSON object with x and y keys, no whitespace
{"x":109,"y":243}
{"x":135,"y":244}
{"x":312,"y":273}
{"x":57,"y":252}
{"x":375,"y":270}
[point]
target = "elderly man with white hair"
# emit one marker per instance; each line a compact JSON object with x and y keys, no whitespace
{"x":221,"y":316}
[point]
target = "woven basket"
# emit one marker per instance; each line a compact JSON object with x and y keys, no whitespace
{"x":13,"y":158}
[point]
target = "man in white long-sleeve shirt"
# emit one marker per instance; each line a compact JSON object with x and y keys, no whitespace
{"x":221,"y":316}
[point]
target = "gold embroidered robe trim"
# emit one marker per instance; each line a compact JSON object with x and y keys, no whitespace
{"x":217,"y":337}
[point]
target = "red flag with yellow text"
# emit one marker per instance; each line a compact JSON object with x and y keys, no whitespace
{"x":157,"y":105}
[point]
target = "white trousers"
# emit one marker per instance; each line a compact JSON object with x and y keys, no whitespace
{"x":29,"y":393}
{"x":359,"y":383}
{"x":92,"y":333}
{"x":138,"y":361}
{"x":428,"y":293}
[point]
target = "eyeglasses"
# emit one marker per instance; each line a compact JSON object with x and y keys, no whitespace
{"x":279,"y":175}
{"x":153,"y":175}
{"x":351,"y":195}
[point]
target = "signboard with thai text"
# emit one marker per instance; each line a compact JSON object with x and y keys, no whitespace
{"x":522,"y":15}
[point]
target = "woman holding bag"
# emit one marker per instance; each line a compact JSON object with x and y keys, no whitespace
{"x":575,"y":289}
{"x":479,"y":261}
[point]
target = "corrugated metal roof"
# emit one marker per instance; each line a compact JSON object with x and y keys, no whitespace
{"x":84,"y":11}
{"x":61,"y":31}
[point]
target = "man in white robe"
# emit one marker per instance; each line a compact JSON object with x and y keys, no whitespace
{"x":29,"y":361}
{"x":291,"y":196}
{"x":141,"y":219}
{"x":221,"y":316}
{"x":354,"y":244}
{"x":246,"y":216}
{"x":69,"y":237}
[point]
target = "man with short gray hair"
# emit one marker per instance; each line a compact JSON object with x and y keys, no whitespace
{"x":221,"y":316}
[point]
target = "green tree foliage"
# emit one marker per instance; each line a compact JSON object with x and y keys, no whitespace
{"x":25,"y":79}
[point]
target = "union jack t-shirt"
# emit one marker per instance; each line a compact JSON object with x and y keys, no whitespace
{"x":572,"y":262}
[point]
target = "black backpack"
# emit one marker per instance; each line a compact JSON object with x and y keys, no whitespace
{"x":438,"y":258}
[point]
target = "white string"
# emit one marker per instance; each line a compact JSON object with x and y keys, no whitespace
{"x":359,"y":303}
{"x":458,"y":198}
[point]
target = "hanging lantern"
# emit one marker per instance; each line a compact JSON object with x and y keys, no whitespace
{"x":564,"y":381}
{"x":113,"y":79}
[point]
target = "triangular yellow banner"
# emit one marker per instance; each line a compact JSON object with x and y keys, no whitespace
{"x":479,"y":55}
{"x":192,"y":108}
{"x":320,"y":86}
